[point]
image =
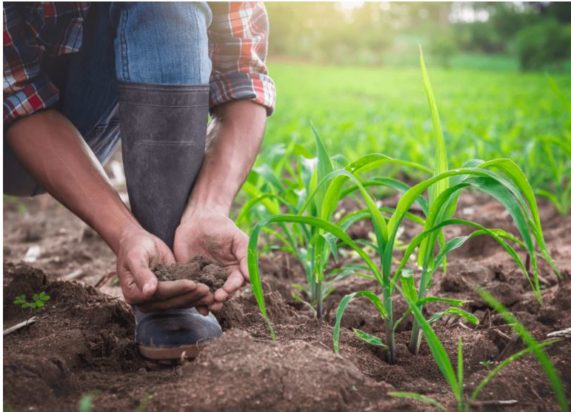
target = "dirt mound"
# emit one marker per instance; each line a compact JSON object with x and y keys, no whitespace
{"x":79,"y":328}
{"x":240,"y":373}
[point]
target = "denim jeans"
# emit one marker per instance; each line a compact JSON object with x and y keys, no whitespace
{"x":144,"y":43}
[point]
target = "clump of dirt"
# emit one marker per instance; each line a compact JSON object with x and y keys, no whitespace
{"x":199,"y":270}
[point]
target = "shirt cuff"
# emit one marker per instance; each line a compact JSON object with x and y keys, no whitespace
{"x":39,"y":94}
{"x":259,"y":88}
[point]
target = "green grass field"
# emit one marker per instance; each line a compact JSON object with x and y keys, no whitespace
{"x":485,"y":114}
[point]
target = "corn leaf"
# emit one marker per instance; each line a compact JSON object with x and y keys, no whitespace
{"x":367,"y":294}
{"x":535,"y":347}
{"x":253,"y":269}
{"x":420,"y":398}
{"x":492,"y":374}
{"x":368,"y":338}
{"x":438,"y":352}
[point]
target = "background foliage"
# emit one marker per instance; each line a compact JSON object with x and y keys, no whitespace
{"x":532,"y":35}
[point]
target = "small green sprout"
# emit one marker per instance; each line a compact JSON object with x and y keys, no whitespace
{"x":487,"y":364}
{"x":39,"y":300}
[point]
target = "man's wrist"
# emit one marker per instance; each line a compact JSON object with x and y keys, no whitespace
{"x":197,"y":207}
{"x":115,"y":234}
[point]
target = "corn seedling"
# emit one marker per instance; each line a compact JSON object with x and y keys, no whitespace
{"x":455,"y":376}
{"x":554,"y":155}
{"x":500,"y":178}
{"x":302,"y":194}
{"x":86,"y":402}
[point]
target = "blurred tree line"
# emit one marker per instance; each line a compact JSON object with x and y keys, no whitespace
{"x":538,"y":34}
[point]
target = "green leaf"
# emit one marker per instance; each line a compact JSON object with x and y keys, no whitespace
{"x":492,"y":374}
{"x":470,"y":317}
{"x":408,"y":286}
{"x":374,"y":299}
{"x":441,"y":158}
{"x":535,"y":347}
{"x":460,"y":369}
{"x":420,"y":398}
{"x":332,"y":228}
{"x":86,"y":402}
{"x":438,"y":351}
{"x":324,"y":167}
{"x":370,"y":339}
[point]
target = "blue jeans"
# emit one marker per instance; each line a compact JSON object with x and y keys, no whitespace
{"x":152,"y":43}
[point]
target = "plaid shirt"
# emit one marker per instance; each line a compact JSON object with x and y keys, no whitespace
{"x":238,"y":39}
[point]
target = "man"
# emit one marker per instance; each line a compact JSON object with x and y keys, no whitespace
{"x":79,"y":76}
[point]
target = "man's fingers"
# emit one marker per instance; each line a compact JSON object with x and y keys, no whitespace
{"x":169,"y":289}
{"x":244,"y":269}
{"x":241,"y":253}
{"x":129,"y":286}
{"x":216,"y":306}
{"x":198,"y":297}
{"x":144,"y":277}
{"x":232,"y":284}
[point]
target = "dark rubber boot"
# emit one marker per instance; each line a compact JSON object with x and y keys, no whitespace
{"x":163,"y":133}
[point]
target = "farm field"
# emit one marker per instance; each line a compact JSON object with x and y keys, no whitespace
{"x":486,"y":114}
{"x":79,"y":352}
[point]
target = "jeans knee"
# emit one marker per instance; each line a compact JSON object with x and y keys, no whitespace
{"x":163,"y":42}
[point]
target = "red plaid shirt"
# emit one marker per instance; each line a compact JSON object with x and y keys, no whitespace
{"x":238,"y":40}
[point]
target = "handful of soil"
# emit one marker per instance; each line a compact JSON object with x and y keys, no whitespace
{"x":199,"y":270}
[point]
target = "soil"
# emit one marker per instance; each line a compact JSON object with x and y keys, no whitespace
{"x":199,"y":269}
{"x":81,"y":343}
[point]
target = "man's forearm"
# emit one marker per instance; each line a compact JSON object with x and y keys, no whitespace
{"x":52,"y":150}
{"x":237,"y":138}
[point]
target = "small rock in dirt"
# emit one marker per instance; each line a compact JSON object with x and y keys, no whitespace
{"x":198,"y":270}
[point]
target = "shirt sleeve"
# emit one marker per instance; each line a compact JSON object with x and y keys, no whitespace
{"x":26,"y":88}
{"x":238,"y":42}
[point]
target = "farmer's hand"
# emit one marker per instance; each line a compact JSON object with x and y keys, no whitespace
{"x":215,"y":236}
{"x":139,"y":252}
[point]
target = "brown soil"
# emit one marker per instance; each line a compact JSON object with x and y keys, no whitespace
{"x":82,"y":344}
{"x":198,"y":269}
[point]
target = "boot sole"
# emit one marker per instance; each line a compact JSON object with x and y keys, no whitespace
{"x":165,"y":353}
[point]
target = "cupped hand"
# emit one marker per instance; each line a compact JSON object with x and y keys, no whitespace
{"x":139,"y":252}
{"x":216,"y":237}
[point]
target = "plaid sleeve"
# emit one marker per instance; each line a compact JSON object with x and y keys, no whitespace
{"x":238,"y":39}
{"x":26,"y":88}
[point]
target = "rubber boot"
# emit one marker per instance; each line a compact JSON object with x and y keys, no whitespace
{"x":163,"y":133}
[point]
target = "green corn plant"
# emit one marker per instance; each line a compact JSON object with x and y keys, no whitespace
{"x":503,"y":180}
{"x":307,"y":244}
{"x":315,"y":193}
{"x":549,"y":159}
{"x":500,"y":178}
{"x":455,"y":376}
{"x":86,"y":402}
{"x":554,"y":156}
